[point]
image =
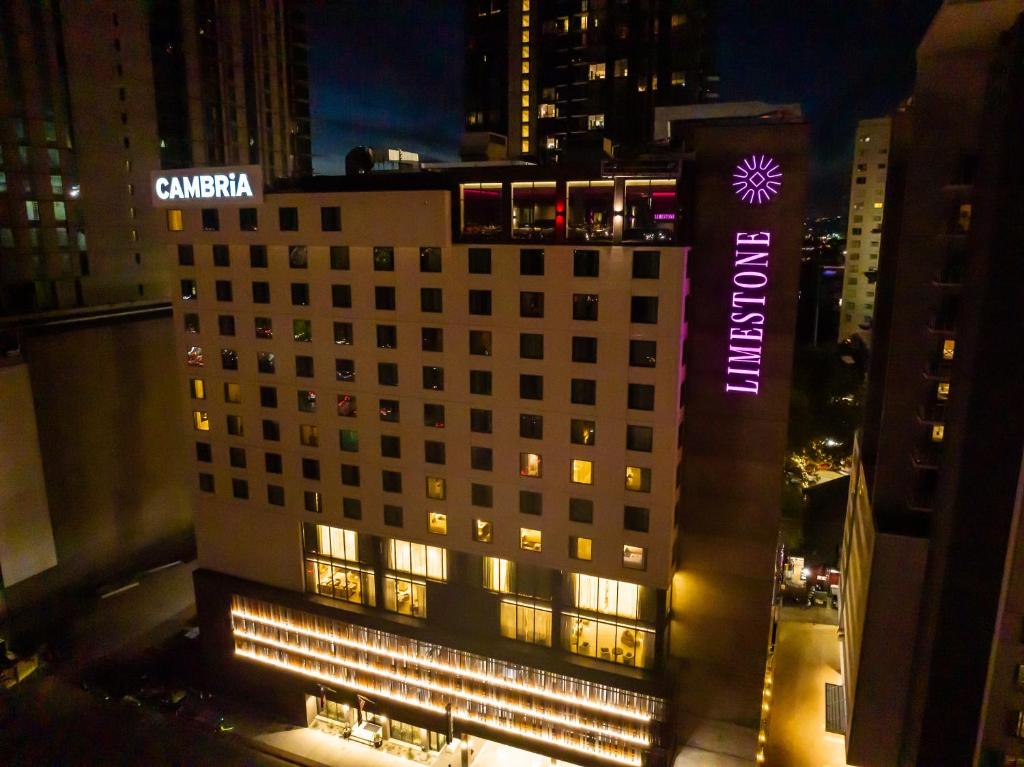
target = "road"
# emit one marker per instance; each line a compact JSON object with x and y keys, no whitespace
{"x":806,"y":657}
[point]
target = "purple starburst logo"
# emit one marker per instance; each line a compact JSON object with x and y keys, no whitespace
{"x":757,"y":179}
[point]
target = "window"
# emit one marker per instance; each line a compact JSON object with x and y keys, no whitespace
{"x":205,"y":482}
{"x":387,"y":374}
{"x":430,"y":259}
{"x":580,"y":548}
{"x":194,"y":356}
{"x":431,"y":300}
{"x":303,"y":366}
{"x":332,"y":561}
{"x":481,"y":458}
{"x":625,"y":636}
{"x":583,"y":391}
{"x":343,"y":333}
{"x":481,"y":206}
{"x":383,"y":259}
{"x":634,"y":557}
{"x":350,"y":475}
{"x":640,"y":438}
{"x":938,"y":432}
{"x":300,"y":294}
{"x":643,"y":354}
{"x":530,"y":502}
{"x":272,"y":463}
{"x":480,"y":421}
{"x":481,"y":495}
{"x":189,"y":291}
{"x":640,"y":397}
{"x":531,"y":346}
{"x":636,"y":518}
{"x":436,"y":489}
{"x":531,"y":261}
{"x":942,"y":391}
{"x":531,"y":386}
{"x":644,"y":309}
{"x":584,"y":307}
{"x":585,"y":263}
{"x":390,"y":446}
{"x":309,"y":435}
{"x":584,"y":349}
{"x":232,"y":393}
{"x":211,"y":219}
{"x":391,"y":481}
{"x":310,"y":468}
{"x":529,"y":465}
{"x":306,"y":401}
{"x":345,"y":370}
{"x":433,"y":378}
{"x":236,"y":426}
{"x":432,"y":339}
{"x":302,"y":330}
{"x":387,"y":337}
{"x":581,"y":510}
{"x":384,"y":298}
{"x":529,"y":539}
{"x":339,"y":257}
{"x":348,"y":440}
{"x":263,"y":327}
{"x":247,"y":219}
{"x":483,"y":531}
{"x":437,"y":523}
{"x":638,"y":479}
{"x":191,"y":323}
{"x":531,"y":426}
{"x":271,"y":431}
{"x":480,"y":382}
{"x":275,"y":495}
{"x":204,"y":452}
{"x":479,"y":260}
{"x":186,"y":255}
{"x":531,"y":304}
{"x":533,"y":213}
{"x":948,"y":349}
{"x":258,"y":256}
{"x":175,"y":222}
{"x":582,"y":432}
{"x":480,"y":342}
{"x":221,"y":255}
{"x":480,"y":302}
{"x":222,"y":289}
{"x":582,"y":472}
{"x":330,"y":218}
{"x":347,"y":405}
{"x":261,"y":292}
{"x":288,"y":219}
{"x":646,"y":264}
{"x":388,"y":410}
{"x":596,"y":72}
{"x":341,"y":296}
{"x":351,"y":508}
{"x":200,"y":420}
{"x":433,"y":452}
{"x":525,"y":620}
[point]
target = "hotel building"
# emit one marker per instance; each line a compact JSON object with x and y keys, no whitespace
{"x":437,"y":423}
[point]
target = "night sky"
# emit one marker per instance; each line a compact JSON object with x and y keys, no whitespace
{"x":389,"y":73}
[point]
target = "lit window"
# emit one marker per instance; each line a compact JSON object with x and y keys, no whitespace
{"x":529,"y":465}
{"x":580,"y":548}
{"x":581,"y":432}
{"x":418,"y":559}
{"x":309,"y":435}
{"x":526,"y":84}
{"x":621,"y":67}
{"x":194,"y":356}
{"x":526,"y":67}
{"x":678,"y":78}
{"x":525,"y":147}
{"x":526,"y":131}
{"x":437,"y":523}
{"x":526,"y":35}
{"x":197,"y":388}
{"x":596,"y":72}
{"x":201,"y":420}
{"x":499,"y":575}
{"x":638,"y":479}
{"x":582,"y":472}
{"x":436,"y":488}
{"x":942,"y":391}
{"x":634,"y":557}
{"x":948,"y":349}
{"x":526,"y":51}
{"x":546,"y":110}
{"x":175,"y":222}
{"x":595,"y":122}
{"x":232,"y":393}
{"x":938,"y":432}
{"x":529,"y":539}
{"x":878,"y":205}
{"x":483,"y":531}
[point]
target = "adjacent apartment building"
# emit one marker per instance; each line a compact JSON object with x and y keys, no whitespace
{"x":437,"y":426}
{"x":931,"y":609}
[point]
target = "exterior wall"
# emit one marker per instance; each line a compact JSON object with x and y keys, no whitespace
{"x":864,"y":226}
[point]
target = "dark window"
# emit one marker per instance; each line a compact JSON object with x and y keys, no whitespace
{"x":433,"y":378}
{"x":531,"y":261}
{"x":300,"y":294}
{"x":272,"y":431}
{"x":584,"y":306}
{"x":222,"y":288}
{"x":430,"y":259}
{"x":204,"y":452}
{"x":343,"y":333}
{"x":344,"y":369}
{"x":433,"y":452}
{"x":351,"y":508}
{"x":387,"y":337}
{"x":339,"y":257}
{"x":186,"y":255}
{"x":433,"y":339}
{"x":390,"y":446}
{"x":229,"y":359}
{"x":531,"y":304}
{"x":383,"y":259}
{"x":585,"y":263}
{"x":350,"y":475}
{"x":584,"y":349}
{"x":211,"y":220}
{"x":311,"y":501}
{"x":348,"y":440}
{"x":206,"y":482}
{"x":258,"y":256}
{"x":581,"y":510}
{"x":389,"y":411}
{"x":261,"y":292}
{"x":303,"y":366}
{"x":433,"y":416}
{"x":341,"y":296}
{"x":481,"y":458}
{"x":644,"y":309}
{"x":643,"y":354}
{"x":431,"y":300}
{"x":191,"y":323}
{"x":384,"y":298}
{"x":330,"y":218}
{"x":239,"y":488}
{"x":247,"y":219}
{"x":636,"y":518}
{"x":310,"y":468}
{"x":481,"y":495}
{"x":275,"y":495}
{"x":531,"y":426}
{"x":583,"y":391}
{"x":387,"y":374}
{"x":288,"y":219}
{"x":479,"y":260}
{"x":392,"y":515}
{"x":639,"y":438}
{"x":266,"y":362}
{"x":272,"y":463}
{"x":226,"y":324}
{"x":582,"y":432}
{"x":189,"y":291}
{"x":646,"y":264}
{"x":531,"y":386}
{"x":531,"y":346}
{"x":480,"y":382}
{"x":480,"y":342}
{"x":268,"y":396}
{"x":530,"y":502}
{"x":391,"y":481}
{"x":298,"y":257}
{"x":480,"y":421}
{"x":221,"y":255}
{"x":479,"y":302}
{"x":641,"y":397}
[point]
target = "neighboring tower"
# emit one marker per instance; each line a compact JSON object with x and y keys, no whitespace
{"x":864,"y":227}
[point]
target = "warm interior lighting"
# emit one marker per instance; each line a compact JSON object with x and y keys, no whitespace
{"x":582,"y":472}
{"x":529,"y":539}
{"x":437,"y":523}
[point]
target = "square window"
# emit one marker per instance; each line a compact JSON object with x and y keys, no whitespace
{"x":480,"y":342}
{"x":303,"y":366}
{"x":347,"y":405}
{"x":271,"y":431}
{"x":189,"y":291}
{"x":300,"y":294}
{"x":580,"y":548}
{"x":312,"y":501}
{"x":433,"y":452}
{"x":302,"y":330}
{"x":481,"y":495}
{"x":263,"y":327}
{"x":197,"y":388}
{"x":306,"y":401}
{"x":275,"y":495}
{"x":384,"y":298}
{"x":431,"y":300}
{"x":345,"y":370}
{"x":211,"y":220}
{"x":391,"y":481}
{"x":261,"y":292}
{"x":436,"y":488}
{"x":480,"y":382}
{"x":232,"y":392}
{"x":530,"y":502}
{"x":204,"y":452}
{"x":272,"y":463}
{"x":339,"y":257}
{"x":288,"y":219}
{"x":229,"y":359}
{"x":480,"y":421}
{"x":387,"y":337}
{"x":343,"y":333}
{"x":348,"y":440}
{"x":433,"y":378}
{"x":582,"y":472}
{"x":584,"y":307}
{"x":643,"y":354}
{"x":236,"y":426}
{"x":531,"y":346}
{"x":531,"y":262}
{"x":341,"y":296}
{"x":310,"y":468}
{"x":529,"y":539}
{"x":266,"y":362}
{"x":221,"y":255}
{"x":636,"y":518}
{"x":432,"y":339}
{"x":479,"y":260}
{"x":437,"y":523}
{"x":330,"y":218}
{"x":433,"y":416}
{"x":236,"y":457}
{"x":640,"y":397}
{"x":531,"y":386}
{"x":388,"y":410}
{"x":309,"y":435}
{"x":226,"y":325}
{"x":531,"y":426}
{"x":644,"y":309}
{"x":430,"y":259}
{"x":186,"y":255}
{"x":206,"y":482}
{"x":222,"y":289}
{"x":646,"y":264}
{"x":383,"y":259}
{"x":640,"y":438}
{"x":248,"y":220}
{"x":480,"y":302}
{"x":585,"y":263}
{"x":387,"y":374}
{"x":258,"y":256}
{"x":638,"y":479}
{"x":583,"y":391}
{"x":531,"y":304}
{"x":239,"y":488}
{"x":390,"y":446}
{"x":584,"y":349}
{"x":529,"y":465}
{"x":582,"y":432}
{"x":581,"y":510}
{"x":351,"y":508}
{"x":481,"y":458}
{"x":350,"y":475}
{"x":483,"y":531}
{"x":634,"y":557}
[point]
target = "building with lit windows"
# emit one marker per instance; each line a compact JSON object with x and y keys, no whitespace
{"x":567,"y":80}
{"x":931,"y":603}
{"x":437,"y":420}
{"x":864,"y":227}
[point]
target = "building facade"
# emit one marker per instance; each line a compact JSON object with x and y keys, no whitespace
{"x":864,"y":227}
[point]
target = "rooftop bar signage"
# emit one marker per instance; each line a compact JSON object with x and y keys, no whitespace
{"x":207,"y":186}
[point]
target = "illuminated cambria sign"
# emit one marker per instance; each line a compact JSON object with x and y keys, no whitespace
{"x":747,"y":311}
{"x":192,"y":186}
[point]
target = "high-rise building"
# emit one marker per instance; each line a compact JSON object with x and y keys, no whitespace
{"x":436,"y":422}
{"x":931,"y":602}
{"x":864,"y":227}
{"x":559,"y":79}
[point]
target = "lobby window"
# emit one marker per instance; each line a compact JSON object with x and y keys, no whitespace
{"x":639,"y":438}
{"x":634,"y":557}
{"x":348,"y":440}
{"x":383,"y":258}
{"x":583,"y":391}
{"x":261,"y":292}
{"x":480,"y":382}
{"x":480,"y":302}
{"x":531,"y":426}
{"x":590,"y":203}
{"x":258,"y":256}
{"x":236,"y":426}
{"x":200,"y":420}
{"x":387,"y":337}
{"x":300,"y":294}
{"x":430,"y":259}
{"x":479,"y":260}
{"x":531,"y":304}
{"x":211,"y":220}
{"x":431,"y":300}
{"x":186,"y":255}
{"x":531,"y":386}
{"x":222,"y":289}
{"x":388,"y":410}
{"x":644,"y":309}
{"x":433,"y":452}
{"x":189,"y":291}
{"x":330,"y":218}
{"x":646,"y":264}
{"x":384,"y":298}
{"x":309,"y":435}
{"x":263,"y":327}
{"x":340,"y":257}
{"x":432,"y":339}
{"x":580,"y":548}
{"x":480,"y":342}
{"x":437,"y":523}
{"x":581,"y":510}
{"x":390,"y":446}
{"x":480,"y":421}
{"x":584,"y":307}
{"x":531,"y":346}
{"x":483,"y":531}
{"x":529,"y":465}
{"x":533,"y":213}
{"x":268,"y":396}
{"x":643,"y":354}
{"x":582,"y":432}
{"x":530,"y":539}
{"x":638,"y":479}
{"x":175,"y":220}
{"x":347,"y":405}
{"x":636,"y":518}
{"x":288,"y":219}
{"x":387,"y":374}
{"x":232,"y":393}
{"x":343,"y":333}
{"x":614,"y":621}
{"x":436,"y":489}
{"x":303,"y":366}
{"x":197,"y":388}
{"x":584,"y":349}
{"x":481,"y":458}
{"x":581,"y":472}
{"x":585,"y":263}
{"x":433,"y":378}
{"x":391,"y":481}
{"x":248,"y":220}
{"x":333,"y":566}
{"x":529,"y":502}
{"x":640,"y":397}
